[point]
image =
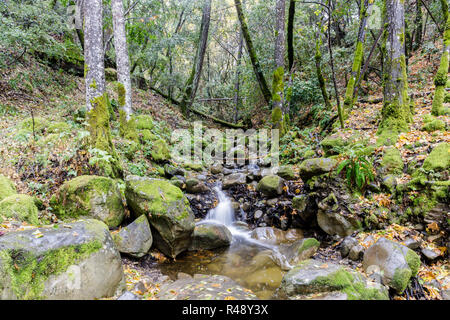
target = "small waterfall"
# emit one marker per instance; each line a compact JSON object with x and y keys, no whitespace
{"x":224,"y":212}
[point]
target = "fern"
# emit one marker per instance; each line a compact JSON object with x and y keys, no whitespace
{"x":358,"y":172}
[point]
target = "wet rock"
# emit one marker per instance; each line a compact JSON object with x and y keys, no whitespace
{"x":204,"y":287}
{"x":128,"y":296}
{"x":429,"y":254}
{"x":195,"y":186}
{"x":313,"y":276}
{"x":74,"y":261}
{"x":254,"y":174}
{"x":171,"y":171}
{"x":216,"y":168}
{"x":300,"y":203}
{"x":356,"y":253}
{"x":412,"y":243}
{"x":268,"y":235}
{"x":258,"y":214}
{"x":272,"y":202}
{"x":286,"y":172}
{"x":233,"y":180}
{"x":202,"y":177}
{"x":314,"y":167}
{"x":178,"y":183}
{"x":90,"y":196}
{"x":398,"y":262}
{"x":298,"y":251}
{"x":167,"y":210}
{"x":271,"y":186}
{"x":347,"y":244}
{"x":135,"y":239}
{"x":246,"y":206}
{"x":208,"y":236}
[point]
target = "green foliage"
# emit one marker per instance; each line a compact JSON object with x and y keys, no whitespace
{"x":358,"y":171}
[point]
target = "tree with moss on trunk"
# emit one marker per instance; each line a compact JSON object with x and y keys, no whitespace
{"x":97,"y":102}
{"x":396,"y":112}
{"x":127,"y":122}
{"x":441,"y":77}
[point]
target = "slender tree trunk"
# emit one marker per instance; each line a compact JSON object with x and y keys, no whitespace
{"x":278,"y":75}
{"x":237,"y":83}
{"x":290,"y":33}
{"x":359,"y":54}
{"x":97,"y":102}
{"x":318,"y":60}
{"x":191,"y":86}
{"x":127,"y":126}
{"x":441,"y":77}
{"x":419,"y":26}
{"x":396,"y":105}
{"x":252,"y":53}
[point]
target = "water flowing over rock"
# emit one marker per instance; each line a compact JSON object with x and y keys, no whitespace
{"x":204,"y":287}
{"x":135,"y":239}
{"x":167,"y":210}
{"x":233,"y":180}
{"x":398,"y":262}
{"x":74,"y":261}
{"x":91,"y":196}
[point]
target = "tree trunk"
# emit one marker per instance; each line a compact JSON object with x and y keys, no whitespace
{"x":441,"y":77}
{"x":97,"y":102}
{"x":396,"y":105}
{"x":252,"y":53}
{"x":191,"y":86}
{"x":237,"y":83}
{"x":278,"y":76}
{"x":318,"y":60}
{"x":359,"y":54}
{"x":127,"y":126}
{"x":290,"y":33}
{"x":419,"y":26}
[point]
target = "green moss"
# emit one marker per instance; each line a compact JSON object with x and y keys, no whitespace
{"x":356,"y":69}
{"x":127,"y":129}
{"x":193,"y":166}
{"x":307,"y":244}
{"x":20,"y":207}
{"x":278,"y":85}
{"x":436,"y":124}
{"x":392,"y":161}
{"x":160,"y":151}
{"x":40,"y":124}
{"x":345,"y":282}
{"x":413,"y":261}
{"x":28,"y":273}
{"x":7,"y":187}
{"x":439,"y":158}
{"x":144,"y":122}
{"x":401,"y":279}
{"x":58,"y":127}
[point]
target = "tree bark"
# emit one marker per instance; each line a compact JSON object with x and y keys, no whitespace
{"x":419,"y":25}
{"x":194,"y":79}
{"x":252,"y":53}
{"x":237,"y":83}
{"x":396,"y":105}
{"x":278,"y":77}
{"x":290,"y":33}
{"x":441,"y":77}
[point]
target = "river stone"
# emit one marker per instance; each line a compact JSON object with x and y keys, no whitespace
{"x":205,"y":287}
{"x":286,"y":172}
{"x":313,"y":276}
{"x":331,"y":220}
{"x":398,"y":262}
{"x":171,"y":171}
{"x":233,"y":180}
{"x":135,"y":239}
{"x":356,"y":252}
{"x":216,"y":168}
{"x":7,"y":187}
{"x":90,"y":196}
{"x":20,"y":207}
{"x":271,"y":186}
{"x":300,"y":202}
{"x":298,"y":251}
{"x":347,"y":244}
{"x":208,"y":236}
{"x":167,"y":210}
{"x":315,"y":167}
{"x":128,"y":296}
{"x":74,"y":261}
{"x":195,"y":186}
{"x":268,"y":235}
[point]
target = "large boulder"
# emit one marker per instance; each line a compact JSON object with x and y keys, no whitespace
{"x":7,"y":188}
{"x":332,"y":220}
{"x":316,"y":166}
{"x":74,"y":261}
{"x":271,"y":186}
{"x":233,"y":180}
{"x":167,"y":209}
{"x":160,"y":151}
{"x":287,"y":172}
{"x":398,"y":262}
{"x":195,"y":186}
{"x":313,"y":277}
{"x":90,"y":196}
{"x":208,"y":236}
{"x":298,"y":251}
{"x":135,"y":239}
{"x":204,"y":287}
{"x":20,"y":207}
{"x":439,"y":158}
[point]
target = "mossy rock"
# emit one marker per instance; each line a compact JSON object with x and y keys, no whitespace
{"x":193,"y":166}
{"x":287,"y":172}
{"x":147,"y":136}
{"x":308,"y":154}
{"x":160,"y":151}
{"x":315,"y":167}
{"x":332,"y":143}
{"x":167,"y":209}
{"x":208,"y":236}
{"x":76,"y":261}
{"x":7,"y":187}
{"x":144,"y":121}
{"x":439,"y":158}
{"x":20,"y":207}
{"x":433,"y":125}
{"x":58,"y":127}
{"x":90,"y":196}
{"x":271,"y":186}
{"x":392,"y":162}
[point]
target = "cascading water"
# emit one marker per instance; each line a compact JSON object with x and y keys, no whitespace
{"x":224,"y":212}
